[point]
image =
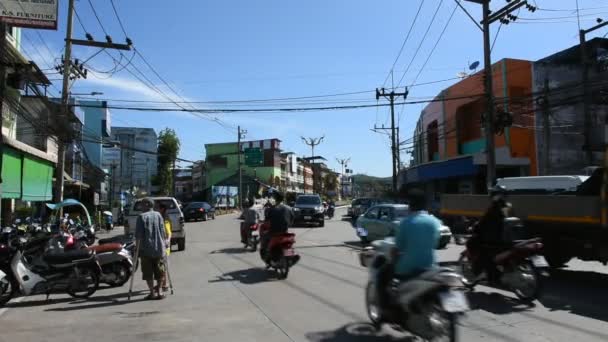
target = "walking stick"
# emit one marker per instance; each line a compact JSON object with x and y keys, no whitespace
{"x":134,"y":267}
{"x":168,"y":273}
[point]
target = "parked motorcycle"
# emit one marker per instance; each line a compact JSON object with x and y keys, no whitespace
{"x":279,"y":254}
{"x":427,"y":305}
{"x":520,"y":268}
{"x":114,"y":258}
{"x":75,"y":272}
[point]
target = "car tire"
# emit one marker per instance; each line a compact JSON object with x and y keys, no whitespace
{"x":322,"y":223}
{"x":181,"y":244}
{"x":205,"y":217}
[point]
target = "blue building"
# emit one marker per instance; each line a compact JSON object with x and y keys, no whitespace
{"x":95,"y":130}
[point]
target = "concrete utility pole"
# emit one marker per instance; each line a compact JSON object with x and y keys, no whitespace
{"x":312,"y":142}
{"x":546,"y":129}
{"x":586,"y":93}
{"x":394,"y":148}
{"x":241,"y":135}
{"x":68,"y":74}
{"x":2,"y":96}
{"x":504,"y":16}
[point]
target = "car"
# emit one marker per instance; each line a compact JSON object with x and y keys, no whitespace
{"x":309,"y":209}
{"x":384,"y":220}
{"x":195,"y":211}
{"x":359,"y":206}
{"x":178,"y":231}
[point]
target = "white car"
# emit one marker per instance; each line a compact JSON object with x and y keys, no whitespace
{"x":178,"y":232}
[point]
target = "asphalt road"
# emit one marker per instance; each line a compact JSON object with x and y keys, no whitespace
{"x":222,"y":293}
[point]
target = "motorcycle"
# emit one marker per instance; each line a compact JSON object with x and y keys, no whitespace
{"x":427,"y":305}
{"x":279,"y":254}
{"x":75,"y":272}
{"x":253,"y":238}
{"x":114,"y":258}
{"x":520,"y":268}
{"x":330,"y":211}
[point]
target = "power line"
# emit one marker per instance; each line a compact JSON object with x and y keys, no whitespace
{"x":409,"y":32}
{"x":118,"y":17}
{"x":447,"y":24}
{"x":421,"y":42}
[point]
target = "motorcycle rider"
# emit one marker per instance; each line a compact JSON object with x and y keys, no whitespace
{"x":488,"y":233}
{"x":280,"y":217}
{"x":250,"y":217}
{"x":416,"y":241}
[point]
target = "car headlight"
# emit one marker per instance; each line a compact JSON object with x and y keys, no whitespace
{"x":296,"y":209}
{"x":320,"y":209}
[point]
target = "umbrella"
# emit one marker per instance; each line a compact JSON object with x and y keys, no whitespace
{"x":109,"y":213}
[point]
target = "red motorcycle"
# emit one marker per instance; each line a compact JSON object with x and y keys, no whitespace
{"x":279,"y":254}
{"x":519,"y":268}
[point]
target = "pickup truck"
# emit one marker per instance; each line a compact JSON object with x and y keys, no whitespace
{"x":571,"y":224}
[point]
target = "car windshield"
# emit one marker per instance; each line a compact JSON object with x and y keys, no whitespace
{"x":170,"y":204}
{"x":401,"y":212}
{"x":308,"y":200}
{"x":362,"y":201}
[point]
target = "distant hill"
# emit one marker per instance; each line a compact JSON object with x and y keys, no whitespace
{"x":361,"y":178}
{"x":370,"y":186}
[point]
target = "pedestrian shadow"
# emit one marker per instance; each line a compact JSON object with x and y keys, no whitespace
{"x":358,"y":332}
{"x":99,"y":302}
{"x":231,"y":250}
{"x":581,"y":293}
{"x":248,"y":276}
{"x":497,"y":303}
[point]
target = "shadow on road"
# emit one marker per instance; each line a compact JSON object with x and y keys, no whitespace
{"x":579,"y":292}
{"x":249,"y":276}
{"x":231,"y":250}
{"x":99,"y":302}
{"x":356,"y":332}
{"x":496,"y":303}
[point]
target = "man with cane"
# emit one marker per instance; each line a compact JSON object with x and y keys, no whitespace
{"x":151,"y":243}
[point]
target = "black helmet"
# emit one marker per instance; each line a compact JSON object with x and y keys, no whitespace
{"x":498,"y":190}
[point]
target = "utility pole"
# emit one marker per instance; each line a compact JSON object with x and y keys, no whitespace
{"x":69,"y":74}
{"x":241,"y":135}
{"x":505,"y":17}
{"x":394,"y":148}
{"x":586,"y":93}
{"x":2,"y":96}
{"x":489,"y":90}
{"x":312,"y":142}
{"x":546,"y":130}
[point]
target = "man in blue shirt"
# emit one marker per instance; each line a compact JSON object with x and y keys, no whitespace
{"x":417,"y":238}
{"x":416,"y":241}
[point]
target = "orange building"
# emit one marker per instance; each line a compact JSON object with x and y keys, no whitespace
{"x":449,"y":140}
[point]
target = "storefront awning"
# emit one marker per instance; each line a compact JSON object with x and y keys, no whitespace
{"x":37,"y":180}
{"x":458,"y":167}
{"x":11,"y":173}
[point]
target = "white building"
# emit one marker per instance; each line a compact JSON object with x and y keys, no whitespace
{"x":134,"y":158}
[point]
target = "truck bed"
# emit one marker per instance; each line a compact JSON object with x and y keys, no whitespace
{"x":542,"y":208}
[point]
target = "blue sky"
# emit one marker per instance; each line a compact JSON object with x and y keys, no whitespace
{"x":241,"y":50}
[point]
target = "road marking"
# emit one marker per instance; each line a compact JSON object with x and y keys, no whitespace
{"x":16,"y":300}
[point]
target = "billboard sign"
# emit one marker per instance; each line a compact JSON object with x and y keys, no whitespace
{"x":40,"y":14}
{"x":224,"y":196}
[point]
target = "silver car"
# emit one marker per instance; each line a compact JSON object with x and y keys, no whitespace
{"x":178,"y":232}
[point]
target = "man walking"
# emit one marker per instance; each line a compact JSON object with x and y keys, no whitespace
{"x":151,"y":242}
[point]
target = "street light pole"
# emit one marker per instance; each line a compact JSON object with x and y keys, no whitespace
{"x":489,"y":90}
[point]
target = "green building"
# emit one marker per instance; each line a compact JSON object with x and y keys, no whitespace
{"x":222,"y":165}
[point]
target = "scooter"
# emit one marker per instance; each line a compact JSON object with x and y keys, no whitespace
{"x":427,"y":305}
{"x":114,"y":258}
{"x":330,"y":211}
{"x":75,"y":272}
{"x":279,"y":254}
{"x":253,"y":237}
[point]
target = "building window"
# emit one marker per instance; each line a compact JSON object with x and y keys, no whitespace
{"x":432,"y":136}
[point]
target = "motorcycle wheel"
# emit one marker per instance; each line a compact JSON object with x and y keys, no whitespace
{"x":466,"y":269}
{"x":8,"y":287}
{"x":88,"y":277}
{"x":450,"y":333}
{"x":532,"y":281}
{"x":122,"y":271}
{"x":283,"y":268}
{"x":253,"y":245}
{"x":372,"y":304}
